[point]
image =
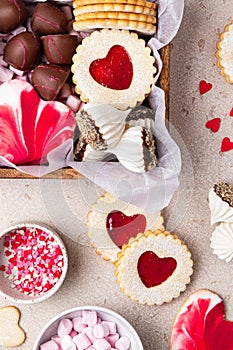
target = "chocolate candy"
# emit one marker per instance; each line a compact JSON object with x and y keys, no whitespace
{"x":48,"y":80}
{"x":59,"y":49}
{"x":22,"y":51}
{"x":48,"y":19}
{"x":12,"y":13}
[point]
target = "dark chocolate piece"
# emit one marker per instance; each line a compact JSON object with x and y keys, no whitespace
{"x":48,"y":80}
{"x":12,"y":13}
{"x":59,"y":49}
{"x":22,"y":51}
{"x":48,"y":19}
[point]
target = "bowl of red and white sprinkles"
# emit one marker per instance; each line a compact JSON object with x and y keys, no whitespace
{"x":33,"y":263}
{"x":88,"y":328}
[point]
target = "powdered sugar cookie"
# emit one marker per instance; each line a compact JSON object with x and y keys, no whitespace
{"x":11,"y":334}
{"x":112,"y":222}
{"x":153,"y":268}
{"x":126,"y":59}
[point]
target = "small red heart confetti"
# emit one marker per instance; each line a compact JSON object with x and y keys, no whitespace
{"x":154,"y":270}
{"x":213,"y":124}
{"x":200,"y":324}
{"x":204,"y":87}
{"x":227,"y":145}
{"x":231,"y":112}
{"x":121,"y":227}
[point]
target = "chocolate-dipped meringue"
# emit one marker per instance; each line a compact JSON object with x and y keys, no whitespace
{"x":84,"y":152}
{"x":101,"y":125}
{"x":141,"y":116}
{"x":221,"y":203}
{"x":136,"y":150}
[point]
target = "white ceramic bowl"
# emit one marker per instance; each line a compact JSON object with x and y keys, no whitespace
{"x":123,"y":326}
{"x":13,"y":294}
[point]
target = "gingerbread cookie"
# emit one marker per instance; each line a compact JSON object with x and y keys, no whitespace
{"x":153,"y":268}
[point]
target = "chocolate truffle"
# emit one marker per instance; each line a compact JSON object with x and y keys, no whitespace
{"x":48,"y":19}
{"x":48,"y":80}
{"x":59,"y":49}
{"x":12,"y":13}
{"x":22,"y":51}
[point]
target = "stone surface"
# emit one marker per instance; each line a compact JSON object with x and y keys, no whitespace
{"x":64,"y":204}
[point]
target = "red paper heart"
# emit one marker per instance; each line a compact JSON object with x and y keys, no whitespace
{"x":227,"y":145}
{"x":200,"y":324}
{"x":115,"y":71}
{"x":213,"y":124}
{"x":204,"y":87}
{"x":231,"y":112}
{"x":154,"y":270}
{"x":121,"y":227}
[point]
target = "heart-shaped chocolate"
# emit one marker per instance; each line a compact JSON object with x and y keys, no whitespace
{"x":121,"y":227}
{"x":213,"y":124}
{"x":48,"y":79}
{"x":204,"y":87}
{"x":227,"y":145}
{"x":153,"y":270}
{"x":115,"y":71}
{"x":200,"y":324}
{"x":11,"y":334}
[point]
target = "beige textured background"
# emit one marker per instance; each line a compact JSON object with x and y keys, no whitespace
{"x":64,"y":204}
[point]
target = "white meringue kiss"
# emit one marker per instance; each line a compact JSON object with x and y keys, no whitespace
{"x":220,"y":211}
{"x":101,"y":125}
{"x":133,"y":149}
{"x":222,"y":241}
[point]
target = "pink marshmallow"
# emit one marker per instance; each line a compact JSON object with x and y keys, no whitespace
{"x":82,"y":341}
{"x":57,"y":339}
{"x":101,"y":330}
{"x":89,"y":332}
{"x":67,"y":343}
{"x":111,"y":326}
{"x":89,"y":318}
{"x":65,"y":327}
{"x":78,"y":325}
{"x":102,"y":344}
{"x":73,"y":333}
{"x":49,"y":345}
{"x":123,"y":343}
{"x":5,"y":74}
{"x":73,"y":102}
{"x":112,"y":339}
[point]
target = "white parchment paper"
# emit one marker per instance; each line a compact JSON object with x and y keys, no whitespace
{"x":153,"y":190}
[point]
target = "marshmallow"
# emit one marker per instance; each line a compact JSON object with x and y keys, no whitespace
{"x":122,"y":344}
{"x":89,"y":318}
{"x":89,"y":332}
{"x":65,"y":327}
{"x":101,"y":330}
{"x":49,"y":345}
{"x":57,"y":339}
{"x":101,"y":344}
{"x":111,"y":326}
{"x":112,"y":339}
{"x":73,"y":334}
{"x":67,"y":343}
{"x":78,"y":325}
{"x":82,"y":341}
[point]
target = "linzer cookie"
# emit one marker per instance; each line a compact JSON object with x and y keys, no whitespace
{"x":144,"y":3}
{"x":224,"y":53}
{"x":221,"y":203}
{"x":113,"y":67}
{"x":153,"y":268}
{"x":112,"y":222}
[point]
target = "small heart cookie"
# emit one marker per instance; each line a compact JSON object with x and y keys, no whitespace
{"x":154,"y":267}
{"x":11,"y":334}
{"x":200,"y":324}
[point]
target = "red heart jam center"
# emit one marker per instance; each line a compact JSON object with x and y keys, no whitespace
{"x":115,"y":71}
{"x":153,"y":270}
{"x":121,"y":227}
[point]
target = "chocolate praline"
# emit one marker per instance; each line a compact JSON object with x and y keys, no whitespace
{"x":12,"y":13}
{"x":48,"y":80}
{"x":48,"y":19}
{"x":22,"y":51}
{"x":60,"y":48}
